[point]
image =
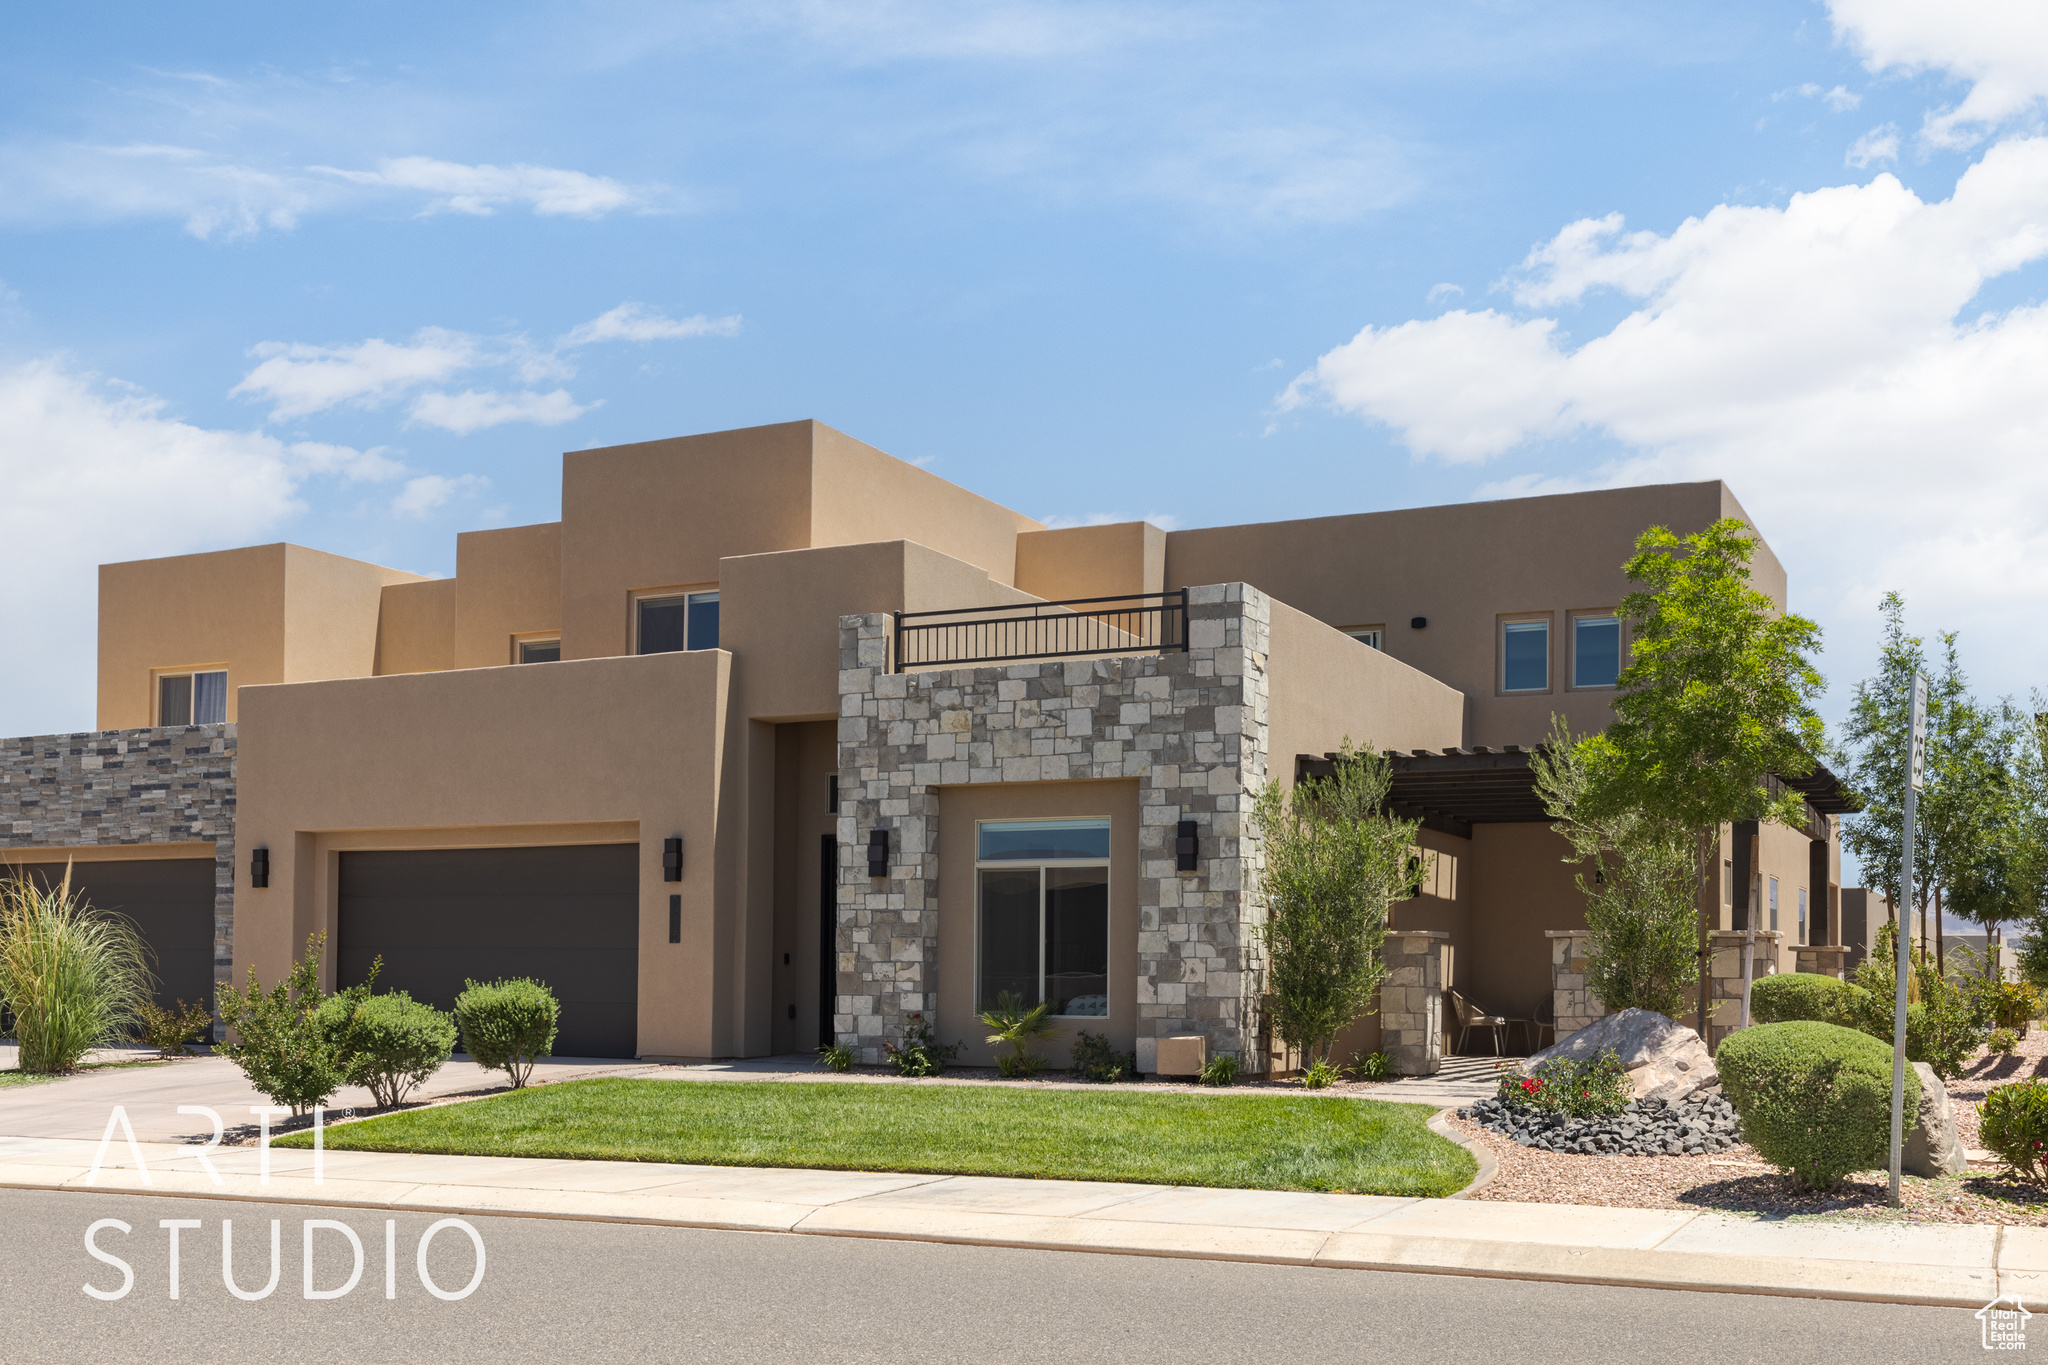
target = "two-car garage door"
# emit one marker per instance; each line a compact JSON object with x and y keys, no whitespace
{"x":567,"y":916}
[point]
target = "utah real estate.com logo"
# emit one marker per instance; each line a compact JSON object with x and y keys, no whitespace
{"x":2005,"y":1323}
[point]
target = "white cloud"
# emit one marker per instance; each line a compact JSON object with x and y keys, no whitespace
{"x":471,"y":410}
{"x":637,"y":322}
{"x":1439,"y":292}
{"x":2000,"y":47}
{"x":1878,"y":145}
{"x":431,"y":491}
{"x":1842,"y":99}
{"x":96,"y":472}
{"x":298,"y":379}
{"x":482,"y":189}
{"x":1817,"y":356}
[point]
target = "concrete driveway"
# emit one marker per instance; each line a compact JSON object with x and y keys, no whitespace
{"x":78,"y":1106}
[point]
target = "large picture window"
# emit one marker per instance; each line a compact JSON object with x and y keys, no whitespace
{"x":1042,"y":914}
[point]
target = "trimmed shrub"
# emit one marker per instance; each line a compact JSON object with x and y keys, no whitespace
{"x":2002,"y":1040}
{"x":1815,"y":1099}
{"x":386,"y":1043}
{"x":1790,"y":996}
{"x":2010,"y":1004}
{"x":1597,"y":1086}
{"x":276,"y":1043}
{"x":2014,"y":1128}
{"x":1096,"y":1060}
{"x":1220,"y":1070}
{"x":507,"y":1025}
{"x":170,"y":1031}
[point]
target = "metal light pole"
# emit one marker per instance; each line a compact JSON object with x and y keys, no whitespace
{"x":1901,"y":941}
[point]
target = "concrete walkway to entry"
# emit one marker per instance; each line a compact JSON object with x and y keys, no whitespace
{"x":1895,"y":1263}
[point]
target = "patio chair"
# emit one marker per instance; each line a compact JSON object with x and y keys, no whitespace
{"x":1470,"y":1016}
{"x":1545,"y":1022}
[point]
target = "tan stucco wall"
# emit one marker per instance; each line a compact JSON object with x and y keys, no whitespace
{"x":1323,"y":686}
{"x":509,"y":582}
{"x":1520,"y":886}
{"x":267,"y":613}
{"x":1462,"y":567}
{"x":599,"y":751}
{"x":661,"y":514}
{"x":860,"y":494}
{"x":806,"y":758}
{"x":1092,"y":561}
{"x":960,"y":808}
{"x":416,"y":627}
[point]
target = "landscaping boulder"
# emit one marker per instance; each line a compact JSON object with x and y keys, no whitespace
{"x":1664,"y":1059}
{"x":1932,"y":1148}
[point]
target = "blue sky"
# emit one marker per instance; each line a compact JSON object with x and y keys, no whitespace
{"x":355,"y":278}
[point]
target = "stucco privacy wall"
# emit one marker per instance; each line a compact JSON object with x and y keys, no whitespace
{"x":115,"y":789}
{"x":1189,"y":725}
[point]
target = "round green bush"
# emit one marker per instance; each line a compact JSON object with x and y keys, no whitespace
{"x":1789,"y":996}
{"x":507,"y":1025}
{"x":387,"y":1043}
{"x":2015,"y":1127}
{"x":1815,"y":1099}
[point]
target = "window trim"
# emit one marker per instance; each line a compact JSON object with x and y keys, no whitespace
{"x":1040,"y":865}
{"x":534,"y":637}
{"x":663,"y":594}
{"x":1548,"y":620}
{"x":156,"y":692}
{"x":1378,"y":633}
{"x":1572,"y":620}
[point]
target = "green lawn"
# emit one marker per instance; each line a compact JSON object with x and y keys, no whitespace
{"x":1236,"y":1141}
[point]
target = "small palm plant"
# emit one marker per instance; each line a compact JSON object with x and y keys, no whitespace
{"x":75,"y":978}
{"x":1009,"y":1022}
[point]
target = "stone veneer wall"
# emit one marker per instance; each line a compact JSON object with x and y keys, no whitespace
{"x":1825,"y":959}
{"x":1570,"y":996}
{"x":1189,"y":725}
{"x":166,"y":785}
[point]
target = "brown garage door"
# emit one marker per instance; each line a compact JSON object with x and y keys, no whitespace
{"x":566,"y":916}
{"x":170,"y":900}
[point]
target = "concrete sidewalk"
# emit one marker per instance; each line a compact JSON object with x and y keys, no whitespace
{"x":1950,"y":1265}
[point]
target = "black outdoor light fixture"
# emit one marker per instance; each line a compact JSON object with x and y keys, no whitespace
{"x":878,"y":853}
{"x":672,"y":859}
{"x":259,"y":867}
{"x":1418,"y":623}
{"x":1186,"y":846}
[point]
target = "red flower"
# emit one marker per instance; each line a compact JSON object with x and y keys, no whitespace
{"x":1530,"y":1085}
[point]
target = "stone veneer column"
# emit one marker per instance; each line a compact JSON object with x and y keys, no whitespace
{"x":1570,"y":997}
{"x":1826,"y":959}
{"x":1724,"y":969}
{"x":1412,"y":1001}
{"x":1190,"y":725}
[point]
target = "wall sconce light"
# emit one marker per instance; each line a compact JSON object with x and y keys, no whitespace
{"x":1187,"y":846}
{"x":672,"y":859}
{"x":1418,"y":623}
{"x":878,"y":853}
{"x":259,"y":867}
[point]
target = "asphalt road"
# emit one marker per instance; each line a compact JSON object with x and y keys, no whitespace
{"x":572,"y":1291}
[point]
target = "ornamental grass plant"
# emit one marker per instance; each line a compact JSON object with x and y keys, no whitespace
{"x":74,"y":977}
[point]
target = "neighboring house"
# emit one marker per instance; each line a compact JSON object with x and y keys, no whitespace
{"x":774,"y":739}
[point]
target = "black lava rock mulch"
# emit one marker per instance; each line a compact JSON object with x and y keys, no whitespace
{"x":1694,"y":1126}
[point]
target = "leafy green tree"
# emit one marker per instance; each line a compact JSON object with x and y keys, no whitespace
{"x":1333,"y":863}
{"x":1642,"y":900}
{"x":1717,"y":697}
{"x":1878,"y":739}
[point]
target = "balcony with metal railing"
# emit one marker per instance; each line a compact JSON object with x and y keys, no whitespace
{"x":1134,"y":623}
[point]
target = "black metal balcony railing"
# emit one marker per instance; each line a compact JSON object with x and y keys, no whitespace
{"x":1130,"y":624}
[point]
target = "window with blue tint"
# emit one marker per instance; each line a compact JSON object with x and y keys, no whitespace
{"x":1525,"y":656}
{"x":1596,"y":650}
{"x":1043,"y":841}
{"x":209,"y":698}
{"x":703,"y":620}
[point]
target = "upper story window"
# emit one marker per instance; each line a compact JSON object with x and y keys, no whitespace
{"x":1802,"y":914}
{"x":197,"y":698}
{"x":687,"y":620}
{"x":1042,"y":914}
{"x":1525,"y":656}
{"x":1774,"y":902}
{"x":540,"y":651}
{"x":1596,"y":650}
{"x":1376,"y":636}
